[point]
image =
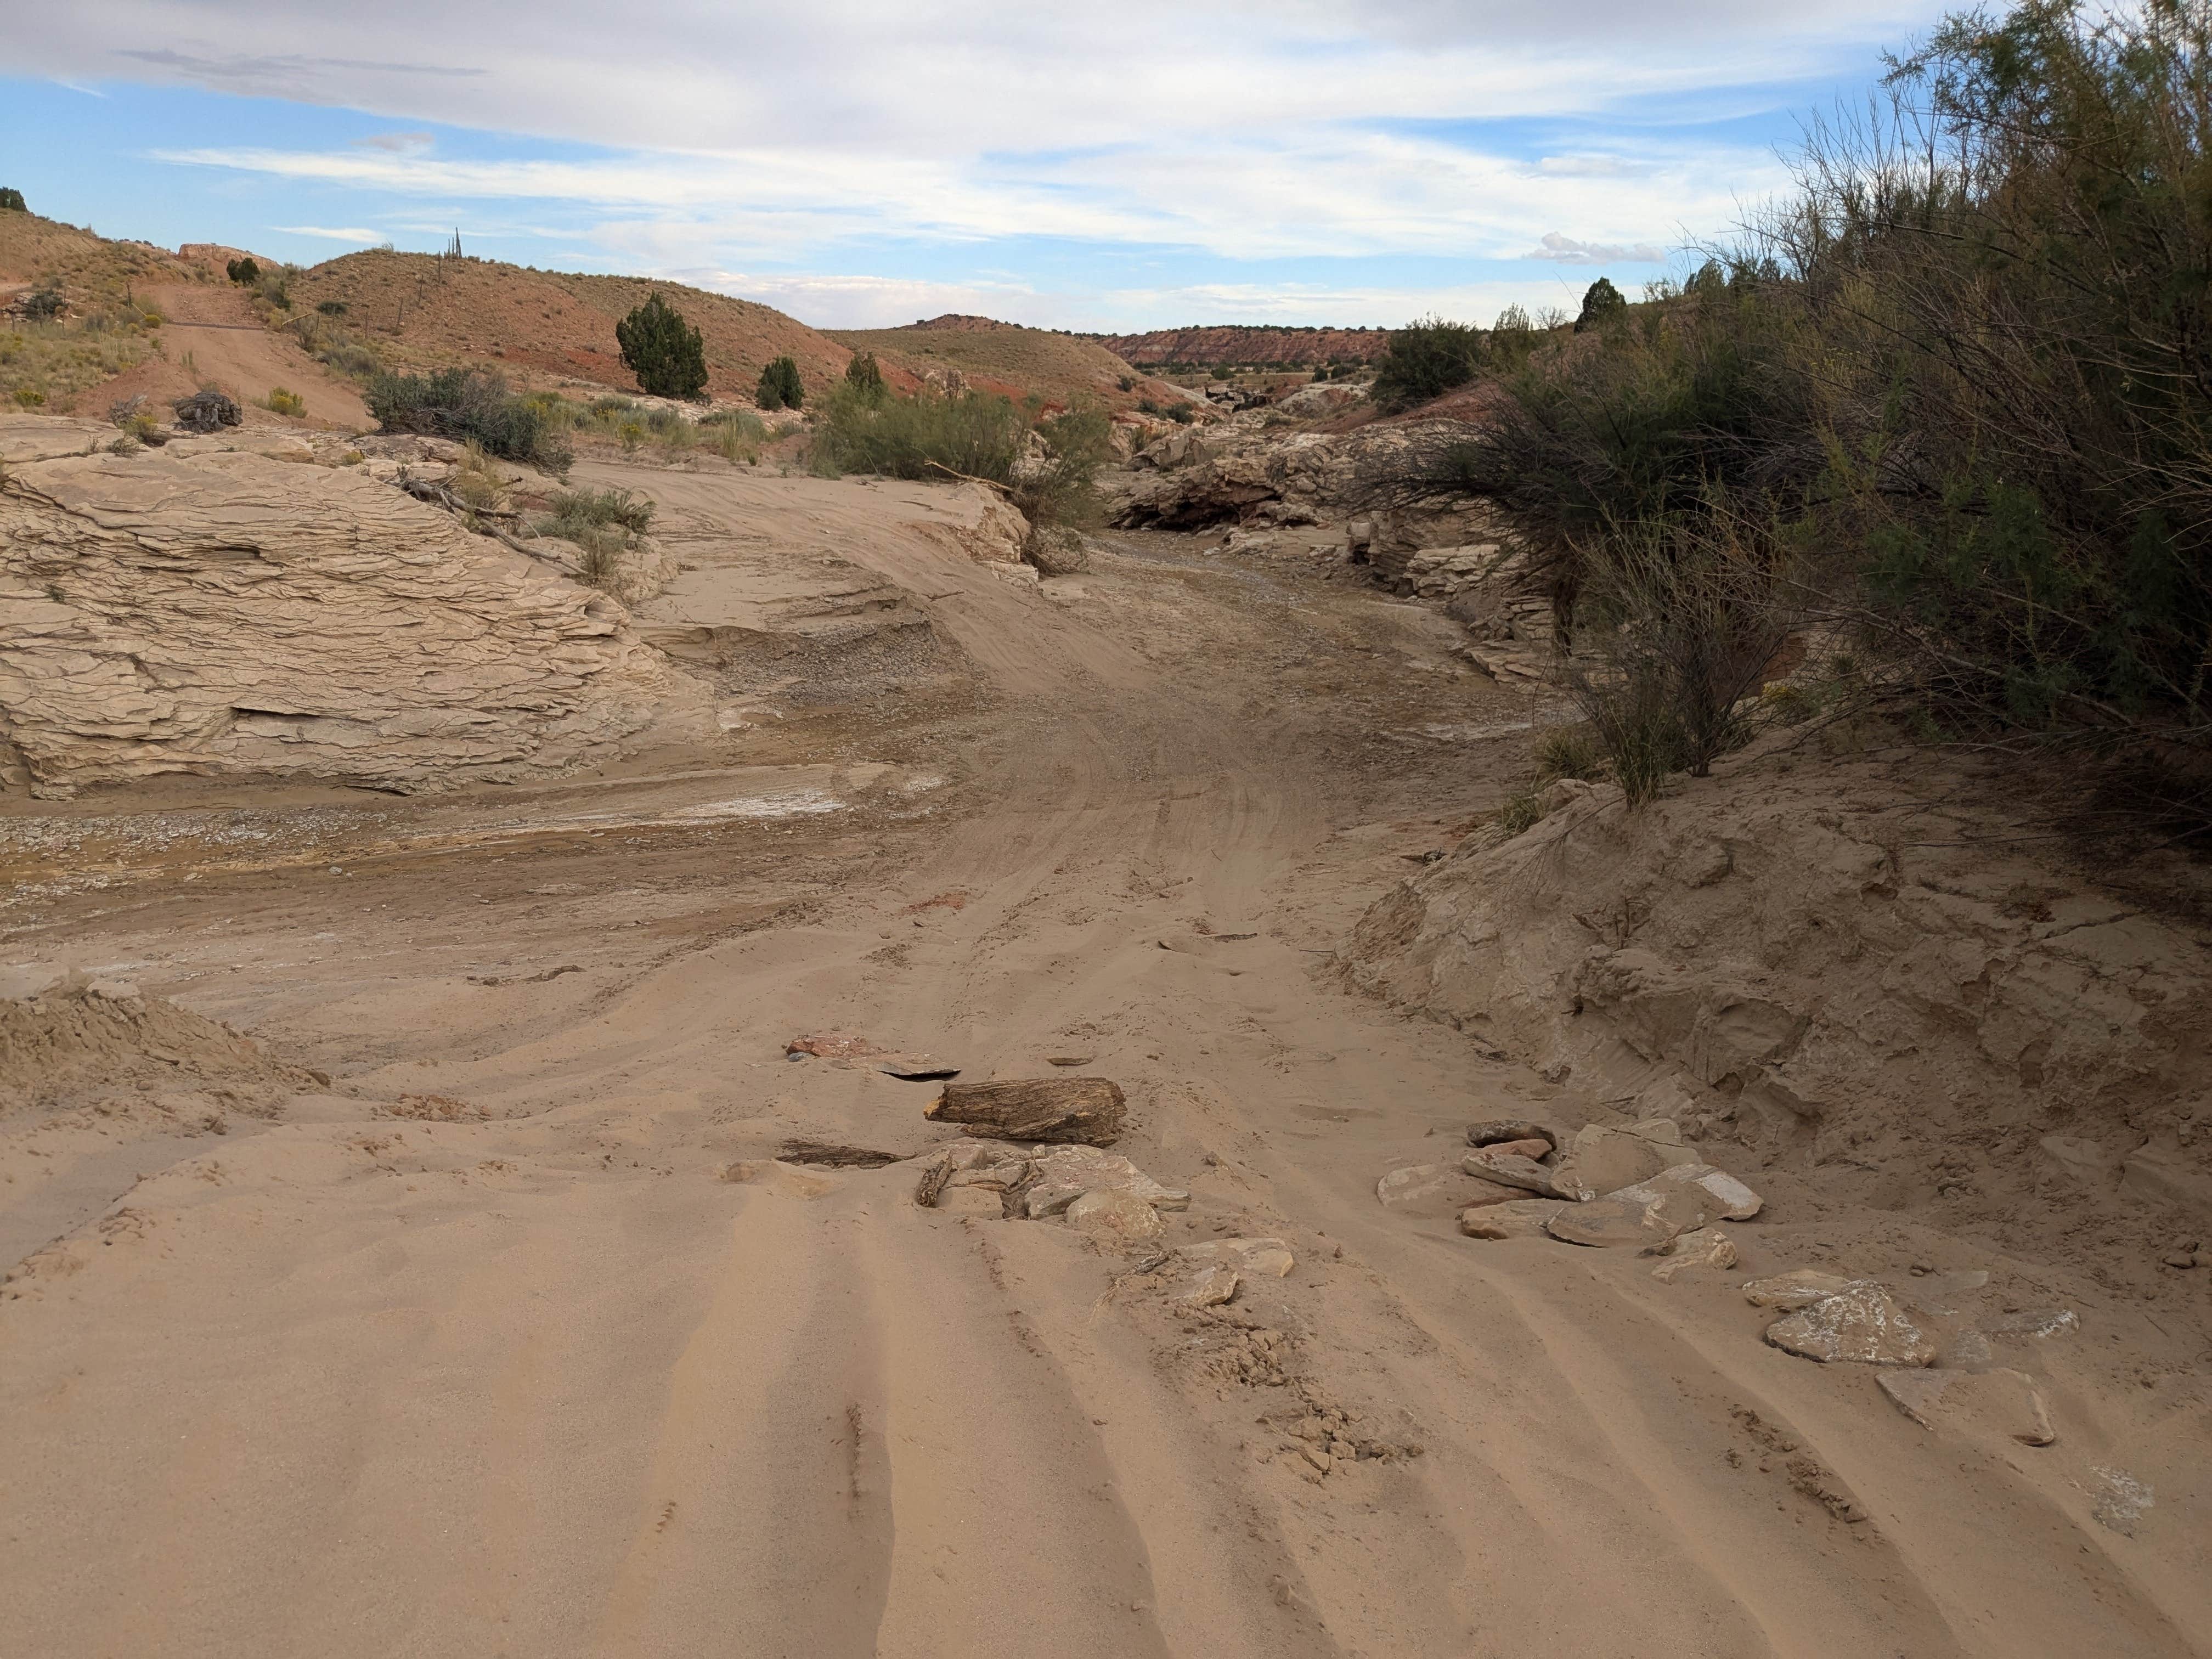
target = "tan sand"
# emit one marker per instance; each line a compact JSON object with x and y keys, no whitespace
{"x":518,"y":1338}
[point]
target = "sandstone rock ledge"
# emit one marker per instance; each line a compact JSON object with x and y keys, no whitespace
{"x":198,"y":609}
{"x":1867,"y":984}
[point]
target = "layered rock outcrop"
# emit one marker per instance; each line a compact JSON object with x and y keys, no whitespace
{"x":205,"y":609}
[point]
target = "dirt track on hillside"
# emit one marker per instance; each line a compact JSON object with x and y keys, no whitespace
{"x":517,"y":1340}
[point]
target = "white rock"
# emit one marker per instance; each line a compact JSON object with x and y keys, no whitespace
{"x":1862,"y":1324}
{"x":1708,"y":1248}
{"x":1115,"y":1217}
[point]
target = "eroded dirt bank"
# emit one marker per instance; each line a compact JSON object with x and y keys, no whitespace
{"x":518,"y":1337}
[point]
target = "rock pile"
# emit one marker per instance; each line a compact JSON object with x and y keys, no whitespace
{"x":1600,"y":1187}
{"x":1003,"y":1177}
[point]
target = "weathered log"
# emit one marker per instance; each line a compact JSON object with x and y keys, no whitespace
{"x":934,"y":1178}
{"x":1085,"y":1109}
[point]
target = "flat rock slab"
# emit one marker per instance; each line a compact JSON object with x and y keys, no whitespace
{"x":1437,"y":1189}
{"x":1118,"y":1219}
{"x":915,"y":1068}
{"x":1522,"y":1219}
{"x":1508,"y":1169}
{"x":1088,"y":1110}
{"x":2005,"y":1401}
{"x":1602,"y":1160}
{"x":1708,"y":1247}
{"x":1800,"y":1287}
{"x":1498,"y":1131}
{"x":1603,"y":1223}
{"x":1056,"y":1178}
{"x":1860,"y":1325}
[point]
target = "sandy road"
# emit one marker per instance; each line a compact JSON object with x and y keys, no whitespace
{"x":586,"y":1372}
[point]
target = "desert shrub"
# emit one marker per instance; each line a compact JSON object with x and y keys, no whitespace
{"x":1955,"y":391}
{"x":1571,"y":752}
{"x":1425,"y":360}
{"x":281,"y":402}
{"x":968,"y":435}
{"x":45,"y":303}
{"x":780,"y":385}
{"x":465,"y":404}
{"x":29,"y":397}
{"x":1521,"y":813}
{"x":331,"y":307}
{"x":596,"y":509}
{"x":734,"y":434}
{"x":1059,"y":493}
{"x":1127,"y":383}
{"x":11,"y":201}
{"x":664,"y":351}
{"x":244,"y":271}
{"x":1679,"y":631}
{"x":604,"y":523}
{"x":865,"y":375}
{"x":1220,"y":371}
{"x":1601,"y":303}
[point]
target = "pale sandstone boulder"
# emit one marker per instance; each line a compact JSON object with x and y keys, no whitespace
{"x":1862,"y":1324}
{"x":198,"y":610}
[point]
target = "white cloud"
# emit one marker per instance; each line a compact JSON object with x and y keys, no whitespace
{"x":360,"y":238}
{"x":1569,"y":251}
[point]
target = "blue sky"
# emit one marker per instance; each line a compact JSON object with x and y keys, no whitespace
{"x":857,"y":164}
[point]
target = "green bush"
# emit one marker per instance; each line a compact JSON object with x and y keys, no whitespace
{"x":969,"y":433}
{"x":865,"y":375}
{"x":331,"y":307}
{"x":780,"y":385}
{"x":244,"y":271}
{"x":11,"y":201}
{"x":1953,"y":395}
{"x":45,"y":303}
{"x":664,"y":351}
{"x":1426,"y":360}
{"x":1571,"y":752}
{"x":470,"y":403}
{"x":1601,"y":303}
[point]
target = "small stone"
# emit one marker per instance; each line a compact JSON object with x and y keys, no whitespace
{"x":1210,"y":1287}
{"x":2003,"y":1399}
{"x":1314,"y":1456}
{"x":2179,"y":1259}
{"x":1498,"y":1133}
{"x":1117,"y":1218}
{"x":1512,"y":1171}
{"x":1534,"y":1149}
{"x":1522,"y":1219}
{"x":1799,"y":1288}
{"x":1861,"y":1325}
{"x":2035,"y":1322}
{"x":1708,"y":1248}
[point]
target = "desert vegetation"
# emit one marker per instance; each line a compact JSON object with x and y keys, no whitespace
{"x":973,"y":436}
{"x":1942,"y":413}
{"x":780,"y":385}
{"x":664,"y":352}
{"x":471,"y":404}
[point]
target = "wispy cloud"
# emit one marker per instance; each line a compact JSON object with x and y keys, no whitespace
{"x":1570,"y":251}
{"x":328,"y":233}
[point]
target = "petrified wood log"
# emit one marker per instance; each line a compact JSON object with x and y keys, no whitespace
{"x":1085,"y":1109}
